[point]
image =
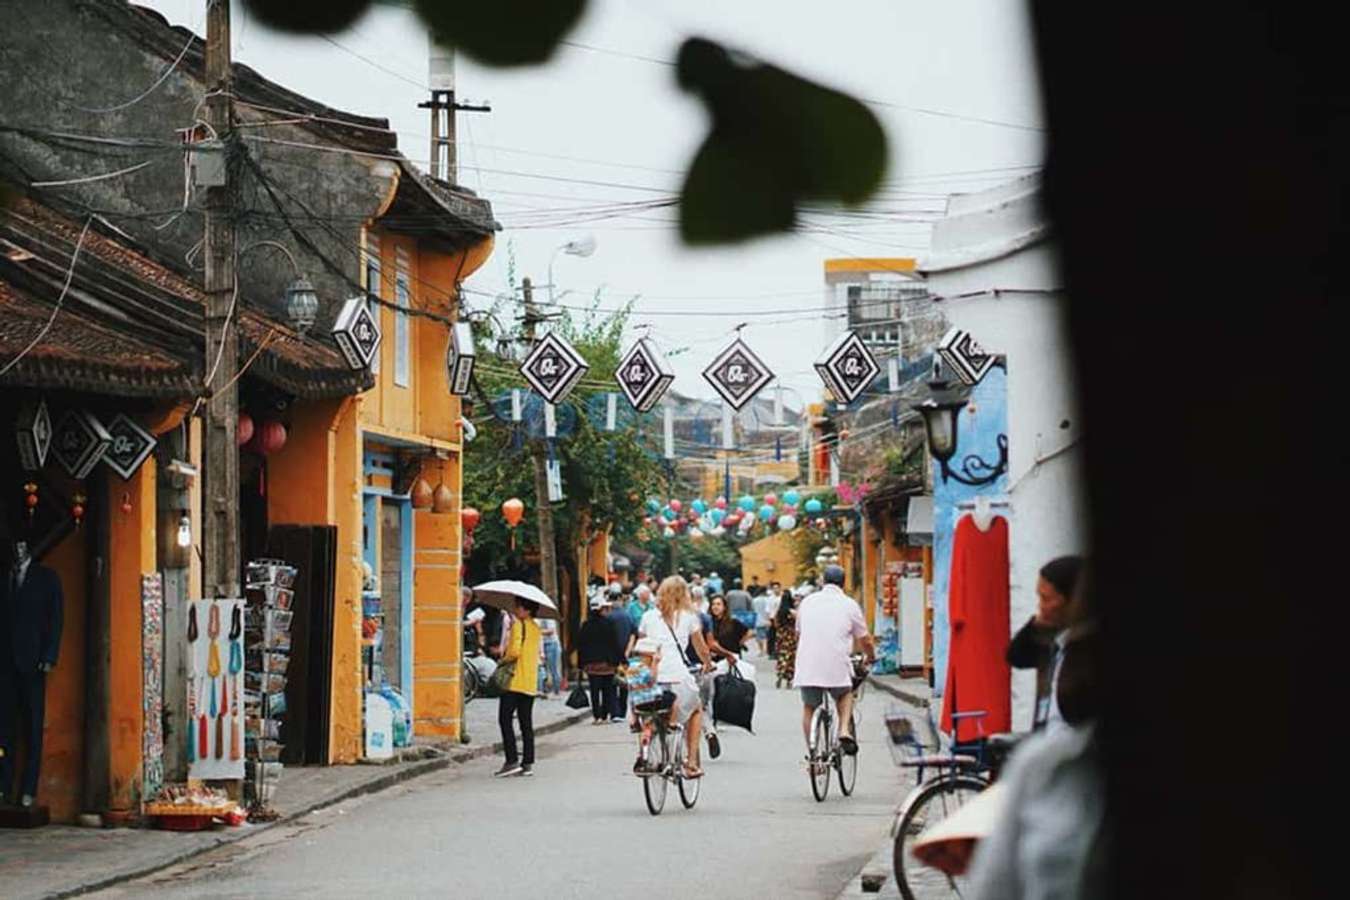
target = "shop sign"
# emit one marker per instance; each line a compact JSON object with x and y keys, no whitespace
{"x":459,"y":359}
{"x":357,"y":333}
{"x":79,"y":443}
{"x":130,"y":446}
{"x":737,"y":374}
{"x":847,"y":367}
{"x":964,"y":355}
{"x":35,"y":435}
{"x":644,"y":375}
{"x":553,"y":368}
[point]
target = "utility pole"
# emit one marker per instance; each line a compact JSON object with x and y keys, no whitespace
{"x":220,"y":493}
{"x":548,"y":548}
{"x":443,"y":106}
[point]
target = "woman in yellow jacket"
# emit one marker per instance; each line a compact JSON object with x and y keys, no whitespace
{"x":517,"y":701}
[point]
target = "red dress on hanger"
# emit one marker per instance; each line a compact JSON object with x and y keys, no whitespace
{"x":978,"y":677}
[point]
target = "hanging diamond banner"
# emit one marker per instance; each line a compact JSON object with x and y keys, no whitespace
{"x":79,"y":443}
{"x":847,"y":367}
{"x":356,"y":333}
{"x":130,"y":446}
{"x":964,"y":355}
{"x":34,"y":435}
{"x":553,"y":368}
{"x":737,"y":374}
{"x":644,"y":375}
{"x":459,"y":358}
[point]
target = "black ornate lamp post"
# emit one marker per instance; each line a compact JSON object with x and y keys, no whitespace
{"x":940,"y":414}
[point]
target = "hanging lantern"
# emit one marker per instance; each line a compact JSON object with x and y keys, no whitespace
{"x":770,"y":499}
{"x":787,"y":523}
{"x":746,"y":503}
{"x":469,"y":518}
{"x":126,"y":502}
{"x":792,"y":498}
{"x":653,"y":506}
{"x":30,"y":501}
{"x":512,"y":511}
{"x":269,"y":438}
{"x":421,"y":494}
{"x":699,"y":507}
{"x":78,"y":502}
{"x":676,"y":505}
{"x":814,"y":506}
{"x":243,"y":431}
{"x":720,"y":503}
{"x":442,"y":499}
{"x":766,"y":513}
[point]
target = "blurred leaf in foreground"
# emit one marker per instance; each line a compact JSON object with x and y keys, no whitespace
{"x":501,"y":32}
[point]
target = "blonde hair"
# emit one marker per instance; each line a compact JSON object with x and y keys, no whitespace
{"x":673,"y":596}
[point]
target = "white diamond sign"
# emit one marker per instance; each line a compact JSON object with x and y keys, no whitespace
{"x":847,"y":367}
{"x":644,"y":375}
{"x":964,"y":355}
{"x":35,"y":435}
{"x":459,"y":358}
{"x":131,"y":444}
{"x":79,"y":443}
{"x":553,"y":368}
{"x":357,"y":333}
{"x":737,"y":374}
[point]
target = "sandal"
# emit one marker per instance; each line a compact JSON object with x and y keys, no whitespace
{"x":691,"y":774}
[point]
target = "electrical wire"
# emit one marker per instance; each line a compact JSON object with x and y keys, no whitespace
{"x":148,"y":91}
{"x":102,"y":177}
{"x":65,"y":288}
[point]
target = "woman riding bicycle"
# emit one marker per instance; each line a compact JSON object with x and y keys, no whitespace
{"x":675,"y":627}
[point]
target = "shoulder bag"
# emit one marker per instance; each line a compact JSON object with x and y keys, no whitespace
{"x":501,"y":677}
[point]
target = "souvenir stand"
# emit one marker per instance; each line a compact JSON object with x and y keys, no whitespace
{"x":268,"y":585}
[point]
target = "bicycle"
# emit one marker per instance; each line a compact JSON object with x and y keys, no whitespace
{"x":663,"y":757}
{"x":824,"y":753}
{"x":963,"y":770}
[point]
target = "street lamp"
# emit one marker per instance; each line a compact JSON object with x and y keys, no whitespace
{"x":302,"y":302}
{"x":940,"y":414}
{"x":583,"y":246}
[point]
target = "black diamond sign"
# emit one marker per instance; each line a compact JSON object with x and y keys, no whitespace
{"x":965,"y":356}
{"x":644,"y":375}
{"x":35,"y":435}
{"x":79,"y":443}
{"x":737,"y":374}
{"x":847,"y":367}
{"x":553,"y":368}
{"x":131,"y":444}
{"x":357,"y":333}
{"x":459,"y":358}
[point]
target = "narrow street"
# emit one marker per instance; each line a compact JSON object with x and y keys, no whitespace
{"x":578,"y":828}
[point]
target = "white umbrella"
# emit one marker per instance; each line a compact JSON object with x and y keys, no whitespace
{"x":503,"y":595}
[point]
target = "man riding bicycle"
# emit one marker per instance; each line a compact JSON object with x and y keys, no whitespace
{"x":828,"y":623}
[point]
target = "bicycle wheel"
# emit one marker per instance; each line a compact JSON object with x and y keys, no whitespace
{"x":469,"y":677}
{"x":819,"y":763}
{"x":930,"y":804}
{"x":688,"y":787}
{"x":658,"y":762}
{"x":847,"y":766}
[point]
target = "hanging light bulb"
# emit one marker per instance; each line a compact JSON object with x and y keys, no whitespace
{"x":185,"y":532}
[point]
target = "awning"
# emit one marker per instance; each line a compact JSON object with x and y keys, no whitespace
{"x":920,"y":520}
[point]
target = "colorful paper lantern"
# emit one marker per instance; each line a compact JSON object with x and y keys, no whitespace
{"x":243,"y":431}
{"x":720,"y":503}
{"x":770,"y":499}
{"x":513,"y":510}
{"x":814,"y":506}
{"x":716,"y":516}
{"x":469,"y":518}
{"x":792,"y":498}
{"x":676,"y":505}
{"x":766,"y":512}
{"x":699,"y":507}
{"x":270,"y":437}
{"x":787,"y":523}
{"x":653,"y":506}
{"x":746,"y":503}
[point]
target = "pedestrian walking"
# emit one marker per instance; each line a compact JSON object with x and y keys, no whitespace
{"x":775,"y":598}
{"x":599,"y":655}
{"x":760,"y":604}
{"x":741,"y":605}
{"x":786,"y":625}
{"x":625,"y":635}
{"x":549,"y":671}
{"x":517,"y":700}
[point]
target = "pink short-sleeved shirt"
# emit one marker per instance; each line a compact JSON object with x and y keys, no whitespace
{"x":827,"y":623}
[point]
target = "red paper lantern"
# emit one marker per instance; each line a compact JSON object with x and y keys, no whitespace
{"x":513,"y":510}
{"x":771,"y":499}
{"x":243,"y":432}
{"x":270,"y":438}
{"x":720,"y":503}
{"x":469,"y":517}
{"x":676,"y":505}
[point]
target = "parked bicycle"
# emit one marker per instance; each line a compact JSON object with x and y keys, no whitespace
{"x":824,"y":753}
{"x":960,"y":771}
{"x":663,"y":757}
{"x":476,"y":667}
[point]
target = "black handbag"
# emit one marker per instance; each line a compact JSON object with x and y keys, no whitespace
{"x":734,"y":700}
{"x":578,"y":699}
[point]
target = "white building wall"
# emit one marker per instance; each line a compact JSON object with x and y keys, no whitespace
{"x":1048,"y":515}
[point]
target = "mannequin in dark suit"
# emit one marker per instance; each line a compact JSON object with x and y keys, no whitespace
{"x":30,"y":639}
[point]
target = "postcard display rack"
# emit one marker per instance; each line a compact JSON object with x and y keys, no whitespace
{"x":268,"y":585}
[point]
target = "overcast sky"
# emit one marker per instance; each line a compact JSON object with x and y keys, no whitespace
{"x":613,"y":108}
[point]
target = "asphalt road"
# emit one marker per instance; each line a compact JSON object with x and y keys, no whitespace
{"x":578,"y":828}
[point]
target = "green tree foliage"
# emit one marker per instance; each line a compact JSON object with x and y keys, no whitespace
{"x":606,"y":475}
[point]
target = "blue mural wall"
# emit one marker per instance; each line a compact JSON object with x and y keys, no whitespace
{"x":977,"y":434}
